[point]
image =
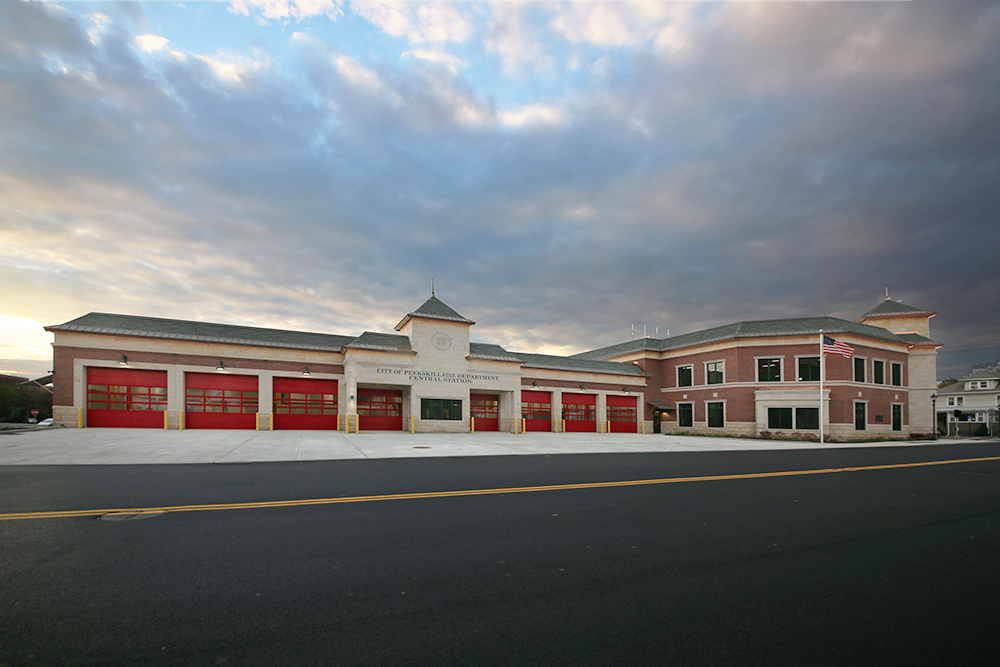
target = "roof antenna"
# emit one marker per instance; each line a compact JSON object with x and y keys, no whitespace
{"x":432,"y":287}
{"x":886,"y":292}
{"x":633,"y":332}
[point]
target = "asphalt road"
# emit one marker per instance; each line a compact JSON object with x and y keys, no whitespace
{"x":886,"y":566}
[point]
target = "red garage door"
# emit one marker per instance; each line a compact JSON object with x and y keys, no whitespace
{"x":536,"y":410}
{"x":580,"y":412}
{"x":623,"y":414}
{"x":304,"y":403}
{"x":220,"y":401}
{"x":380,"y":409}
{"x":126,"y":397}
{"x":485,"y":409}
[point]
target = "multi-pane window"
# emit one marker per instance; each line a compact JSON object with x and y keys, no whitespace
{"x":229,"y":401}
{"x":685,"y":376}
{"x":878,"y":372}
{"x":859,"y":369}
{"x":956,"y":400}
{"x":440,"y":408}
{"x":535,"y":410}
{"x":295,"y":403}
{"x":380,"y":405}
{"x":622,"y":413}
{"x":124,"y":397}
{"x":769,"y":370}
{"x":715,"y":372}
{"x":809,"y":369}
{"x":778,"y":418}
{"x":484,"y":407}
{"x":579,"y":412}
{"x":685,"y":414}
{"x":716,"y":414}
{"x":896,"y":374}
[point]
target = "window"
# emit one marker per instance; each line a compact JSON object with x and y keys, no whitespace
{"x":484,"y":407}
{"x":440,"y":408}
{"x":956,"y":400}
{"x":897,"y":417}
{"x":807,"y":419}
{"x":896,"y":374}
{"x":579,"y":412}
{"x":622,"y":413}
{"x":685,"y":414}
{"x":979,"y":385}
{"x":124,"y":397}
{"x":809,"y":369}
{"x":536,"y":410}
{"x":716,"y":415}
{"x":685,"y":376}
{"x":294,"y":403}
{"x":769,"y":370}
{"x":715,"y":372}
{"x":878,"y":372}
{"x":778,"y":418}
{"x":859,"y":370}
{"x":229,"y":401}
{"x":860,"y":416}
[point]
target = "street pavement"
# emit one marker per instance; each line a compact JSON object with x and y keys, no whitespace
{"x":112,"y":446}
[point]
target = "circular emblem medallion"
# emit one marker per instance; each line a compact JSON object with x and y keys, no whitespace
{"x":441,"y":341}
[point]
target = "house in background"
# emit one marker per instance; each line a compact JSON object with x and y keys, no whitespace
{"x":970,"y":406}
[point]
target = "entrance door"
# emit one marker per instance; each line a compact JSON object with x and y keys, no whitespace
{"x":220,"y":401}
{"x":580,"y":412}
{"x":536,"y":410}
{"x":897,"y":418}
{"x":860,"y":416}
{"x":380,"y":409}
{"x":305,"y":403}
{"x":485,"y":408}
{"x":623,"y":414}
{"x":126,"y":397}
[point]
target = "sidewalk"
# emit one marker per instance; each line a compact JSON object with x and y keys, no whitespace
{"x":104,"y":446}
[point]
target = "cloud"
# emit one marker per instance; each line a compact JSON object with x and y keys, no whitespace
{"x":561,"y":170}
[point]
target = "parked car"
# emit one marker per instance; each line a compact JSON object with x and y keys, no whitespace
{"x":45,"y":422}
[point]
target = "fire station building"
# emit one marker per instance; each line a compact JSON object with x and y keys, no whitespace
{"x":742,"y":379}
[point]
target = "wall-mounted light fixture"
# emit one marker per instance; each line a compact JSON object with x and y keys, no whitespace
{"x":535,"y":385}
{"x":123,"y":361}
{"x":306,"y":372}
{"x":582,"y":388}
{"x":220,"y":367}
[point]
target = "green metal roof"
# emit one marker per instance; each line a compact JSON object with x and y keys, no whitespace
{"x":435,"y":309}
{"x":801,"y":326}
{"x":187,"y":330}
{"x":890,"y":307}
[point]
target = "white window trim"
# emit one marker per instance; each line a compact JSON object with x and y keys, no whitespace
{"x":756,"y":368}
{"x":808,"y":356}
{"x":724,"y":411}
{"x":705,"y":369}
{"x":885,"y":376}
{"x":889,"y":375}
{"x":677,"y":375}
{"x":864,"y":360}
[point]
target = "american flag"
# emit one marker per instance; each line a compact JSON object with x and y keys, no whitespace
{"x":831,"y":346}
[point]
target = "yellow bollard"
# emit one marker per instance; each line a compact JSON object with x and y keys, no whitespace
{"x":257,"y":422}
{"x":79,"y":417}
{"x":472,"y":424}
{"x":165,"y":413}
{"x":180,"y":417}
{"x":564,"y":426}
{"x":270,"y":422}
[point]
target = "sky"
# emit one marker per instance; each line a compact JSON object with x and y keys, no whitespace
{"x":565,"y":173}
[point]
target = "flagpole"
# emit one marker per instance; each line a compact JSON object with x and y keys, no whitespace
{"x":822,"y":372}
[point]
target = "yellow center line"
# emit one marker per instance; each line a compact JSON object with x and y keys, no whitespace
{"x":60,"y":514}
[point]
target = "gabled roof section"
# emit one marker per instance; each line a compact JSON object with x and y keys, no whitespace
{"x":382,"y":342}
{"x":435,"y":309}
{"x":206,"y":332}
{"x":489,"y":352}
{"x":890,"y":308}
{"x":800,"y":326}
{"x":553,"y":363}
{"x":917,"y":340}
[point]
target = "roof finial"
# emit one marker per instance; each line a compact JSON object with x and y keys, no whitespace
{"x":432,"y":288}
{"x":886,"y":292}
